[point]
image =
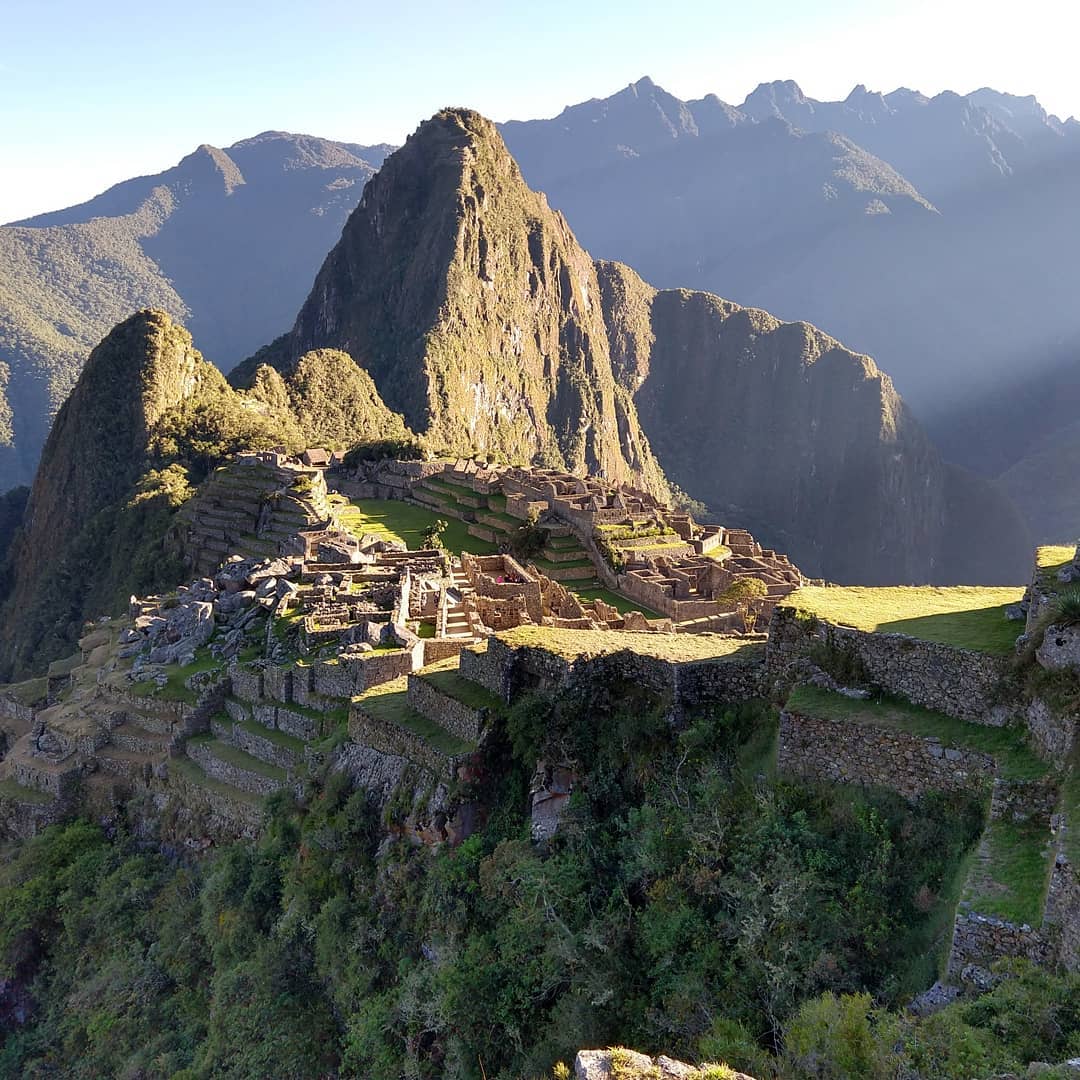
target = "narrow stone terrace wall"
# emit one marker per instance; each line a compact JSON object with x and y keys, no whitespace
{"x":958,"y":682}
{"x":842,"y":752}
{"x":450,"y":714}
{"x":981,"y":939}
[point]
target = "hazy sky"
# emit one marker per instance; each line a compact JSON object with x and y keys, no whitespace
{"x":94,"y":93}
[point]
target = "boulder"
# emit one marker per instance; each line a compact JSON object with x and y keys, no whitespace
{"x":1060,"y":648}
{"x":267,"y":586}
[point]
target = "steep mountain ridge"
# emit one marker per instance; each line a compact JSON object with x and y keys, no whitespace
{"x":226,"y":240}
{"x":149,"y":420}
{"x":778,"y":427}
{"x":474,"y":310}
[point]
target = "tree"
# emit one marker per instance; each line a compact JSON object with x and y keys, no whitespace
{"x":434,"y":532}
{"x":742,"y":594}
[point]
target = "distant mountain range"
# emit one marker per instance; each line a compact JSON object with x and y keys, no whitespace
{"x":227,"y":240}
{"x":936,"y":234}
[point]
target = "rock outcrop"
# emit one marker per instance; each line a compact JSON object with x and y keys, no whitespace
{"x":147,"y":415}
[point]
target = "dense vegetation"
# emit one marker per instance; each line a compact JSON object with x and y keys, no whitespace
{"x":689,"y":904}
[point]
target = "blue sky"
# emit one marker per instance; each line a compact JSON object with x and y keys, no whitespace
{"x":96,"y":93}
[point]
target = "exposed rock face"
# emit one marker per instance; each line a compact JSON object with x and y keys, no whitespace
{"x":146,"y":409}
{"x":474,"y":309}
{"x":780,"y":428}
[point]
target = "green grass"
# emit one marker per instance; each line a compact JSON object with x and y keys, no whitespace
{"x":234,"y":756}
{"x":406,"y":523}
{"x":10,"y":789}
{"x":65,"y":666}
{"x":1049,"y":559}
{"x":389,"y":703}
{"x":470,"y":694}
{"x":676,"y":648}
{"x":1010,"y":875}
{"x":1015,"y":759}
{"x":966,"y":616}
{"x":622,"y":604}
{"x":278,"y":738}
{"x":175,"y":690}
{"x":29,"y":692}
{"x":193,"y":773}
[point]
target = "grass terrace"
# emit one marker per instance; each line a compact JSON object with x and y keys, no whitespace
{"x":675,"y":648}
{"x":456,"y":686}
{"x":10,"y":789}
{"x":1010,"y":873}
{"x":1015,"y":758}
{"x":174,"y":689}
{"x":966,"y":616}
{"x":389,"y":702}
{"x":622,"y":604}
{"x":406,"y":523}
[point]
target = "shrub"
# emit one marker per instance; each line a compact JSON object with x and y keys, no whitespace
{"x":841,"y":1038}
{"x":1067,"y":608}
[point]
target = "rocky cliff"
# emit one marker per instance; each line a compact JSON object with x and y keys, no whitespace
{"x":474,"y":310}
{"x":781,"y":429}
{"x":146,"y":420}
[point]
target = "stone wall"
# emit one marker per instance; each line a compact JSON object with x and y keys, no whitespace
{"x":842,"y":752}
{"x":293,"y":723}
{"x":484,"y":669}
{"x":707,"y":682}
{"x":247,"y":683}
{"x":228,"y":773}
{"x":1061,"y":921}
{"x":958,"y":682}
{"x":378,"y":668}
{"x":388,"y":738}
{"x":448,"y":713}
{"x":1052,"y":734}
{"x":14,"y":710}
{"x":21,"y":820}
{"x":277,"y":683}
{"x":334,"y":678}
{"x":257,"y":745}
{"x":436,"y":649}
{"x":1025,"y":800}
{"x":981,"y":939}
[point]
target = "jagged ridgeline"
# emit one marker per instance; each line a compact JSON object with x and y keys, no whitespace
{"x":482,"y":320}
{"x":147,"y":422}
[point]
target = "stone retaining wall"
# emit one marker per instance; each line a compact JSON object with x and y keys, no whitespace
{"x":436,"y":649}
{"x":958,"y":682}
{"x":842,"y":752}
{"x":981,"y":939}
{"x":1025,"y":800}
{"x":277,"y":683}
{"x":448,"y":713}
{"x":254,"y":744}
{"x":22,"y":820}
{"x":707,"y":682}
{"x":293,"y":723}
{"x":1052,"y":734}
{"x":11,"y":709}
{"x":1062,"y":917}
{"x":483,"y":669}
{"x":389,"y":738}
{"x":247,"y":683}
{"x":228,"y":773}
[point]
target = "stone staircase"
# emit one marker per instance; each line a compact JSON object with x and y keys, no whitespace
{"x":454,"y":619}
